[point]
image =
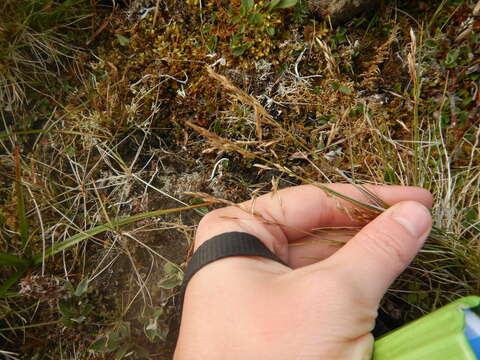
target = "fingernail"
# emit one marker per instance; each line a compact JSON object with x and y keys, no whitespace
{"x":413,"y":216}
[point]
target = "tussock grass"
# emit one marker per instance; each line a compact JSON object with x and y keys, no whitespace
{"x":35,"y":42}
{"x":167,"y":109}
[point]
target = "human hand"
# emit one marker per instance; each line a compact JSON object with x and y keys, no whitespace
{"x":321,"y":307}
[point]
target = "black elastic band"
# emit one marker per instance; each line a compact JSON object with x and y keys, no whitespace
{"x":244,"y":244}
{"x":222,"y":246}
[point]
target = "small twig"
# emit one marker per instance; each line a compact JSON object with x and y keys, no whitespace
{"x":331,"y":62}
{"x":217,"y":164}
{"x":155,"y":15}
{"x":100,"y":29}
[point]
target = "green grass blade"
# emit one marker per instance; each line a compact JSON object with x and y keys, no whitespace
{"x":7,"y":259}
{"x":21,"y":211}
{"x":9,"y":283}
{"x":9,"y":294}
{"x":22,"y":327}
{"x":77,"y":238}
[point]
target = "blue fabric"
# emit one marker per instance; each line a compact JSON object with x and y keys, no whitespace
{"x":472,"y":330}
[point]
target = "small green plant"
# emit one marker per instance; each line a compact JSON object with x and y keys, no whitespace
{"x":73,"y":308}
{"x":301,"y":12}
{"x":254,"y":18}
{"x":173,"y":276}
{"x":342,"y":88}
{"x":153,"y":326}
{"x":339,"y":38}
{"x":118,"y":342}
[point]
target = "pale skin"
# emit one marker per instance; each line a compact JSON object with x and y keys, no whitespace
{"x":324,"y":304}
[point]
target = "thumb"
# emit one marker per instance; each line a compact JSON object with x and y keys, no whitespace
{"x":374,"y":258}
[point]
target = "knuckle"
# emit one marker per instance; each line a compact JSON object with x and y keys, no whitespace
{"x":213,"y":217}
{"x":391,"y":248}
{"x":213,"y":214}
{"x":335,"y":284}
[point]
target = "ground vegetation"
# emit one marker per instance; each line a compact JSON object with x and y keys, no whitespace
{"x":138,"y":118}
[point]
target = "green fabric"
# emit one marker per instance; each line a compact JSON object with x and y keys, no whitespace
{"x":436,"y":336}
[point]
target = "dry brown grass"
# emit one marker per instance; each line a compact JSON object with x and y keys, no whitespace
{"x":172,"y":111}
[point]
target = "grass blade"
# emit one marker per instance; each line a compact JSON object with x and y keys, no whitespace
{"x":9,"y":283}
{"x":21,"y":212}
{"x":6,"y":134}
{"x":12,"y":260}
{"x":77,"y":238}
{"x":9,"y":294}
{"x":367,"y":193}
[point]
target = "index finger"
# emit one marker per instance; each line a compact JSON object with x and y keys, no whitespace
{"x":289,"y":214}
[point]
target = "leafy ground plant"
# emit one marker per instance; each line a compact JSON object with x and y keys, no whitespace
{"x":252,"y":20}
